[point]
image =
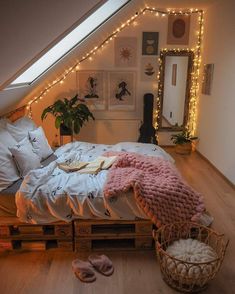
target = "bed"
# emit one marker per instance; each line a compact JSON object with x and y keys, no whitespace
{"x":43,"y":206}
{"x":122,"y":224}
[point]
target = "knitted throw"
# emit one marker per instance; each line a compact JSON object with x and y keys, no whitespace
{"x":158,"y":188}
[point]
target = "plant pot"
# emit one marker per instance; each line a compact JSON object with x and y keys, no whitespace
{"x":183,"y":148}
{"x":65,"y":131}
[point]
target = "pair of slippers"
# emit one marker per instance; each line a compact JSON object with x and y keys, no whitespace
{"x":84,"y":270}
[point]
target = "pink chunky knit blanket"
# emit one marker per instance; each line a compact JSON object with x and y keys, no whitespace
{"x":158,"y":188}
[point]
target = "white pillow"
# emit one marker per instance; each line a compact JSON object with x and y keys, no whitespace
{"x":20,"y":128}
{"x":8,"y":170}
{"x":6,"y":138}
{"x":3,"y":123}
{"x":40,"y":143}
{"x":25,"y":157}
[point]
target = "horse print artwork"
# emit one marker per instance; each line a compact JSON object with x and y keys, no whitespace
{"x":121,"y":90}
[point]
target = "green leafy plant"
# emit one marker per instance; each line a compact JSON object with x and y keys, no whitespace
{"x":183,"y":138}
{"x":69,"y":113}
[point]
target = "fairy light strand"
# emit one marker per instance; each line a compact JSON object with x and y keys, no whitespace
{"x":194,"y":91}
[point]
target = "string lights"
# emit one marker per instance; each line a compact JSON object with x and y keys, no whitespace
{"x":194,"y":91}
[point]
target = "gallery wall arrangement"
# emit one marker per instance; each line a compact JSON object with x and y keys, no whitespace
{"x":116,"y":90}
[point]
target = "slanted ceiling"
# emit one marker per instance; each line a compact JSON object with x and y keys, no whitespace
{"x":30,"y":28}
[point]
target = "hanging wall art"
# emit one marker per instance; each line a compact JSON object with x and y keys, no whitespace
{"x":149,"y":68}
{"x":207,"y":79}
{"x":125,"y":52}
{"x":121,"y":91}
{"x":91,"y":87}
{"x":150,"y":43}
{"x":178,"y":29}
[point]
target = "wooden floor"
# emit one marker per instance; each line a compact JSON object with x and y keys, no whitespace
{"x":135,"y":273}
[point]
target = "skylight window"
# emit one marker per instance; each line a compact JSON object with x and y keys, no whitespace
{"x":69,"y":42}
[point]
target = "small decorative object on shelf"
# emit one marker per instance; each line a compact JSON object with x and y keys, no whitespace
{"x":189,"y":254}
{"x":70,"y":115}
{"x":183,"y":142}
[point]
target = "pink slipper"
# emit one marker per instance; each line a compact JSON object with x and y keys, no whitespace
{"x":83,"y":271}
{"x":102,"y":264}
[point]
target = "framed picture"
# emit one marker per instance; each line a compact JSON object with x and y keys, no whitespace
{"x":149,"y":68}
{"x":174,"y":74}
{"x":150,"y":43}
{"x":178,"y":29}
{"x":121,"y":94}
{"x":125,"y":52}
{"x":207,"y":79}
{"x":91,"y":87}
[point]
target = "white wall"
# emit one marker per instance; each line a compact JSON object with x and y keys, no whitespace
{"x":216,"y":123}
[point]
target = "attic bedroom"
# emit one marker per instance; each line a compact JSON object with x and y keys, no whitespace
{"x":117,"y":164}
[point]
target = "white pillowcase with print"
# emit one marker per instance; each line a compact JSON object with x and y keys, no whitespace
{"x":8,"y":170}
{"x":20,"y":128}
{"x":40,"y":144}
{"x":25,"y":157}
{"x":3,"y":123}
{"x":6,"y":138}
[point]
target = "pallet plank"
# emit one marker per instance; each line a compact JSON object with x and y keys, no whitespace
{"x":15,"y":232}
{"x":109,"y":243}
{"x":95,"y":228}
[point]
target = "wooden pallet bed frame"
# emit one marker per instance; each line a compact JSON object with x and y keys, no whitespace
{"x":15,"y":235}
{"x":79,"y":235}
{"x":96,"y":235}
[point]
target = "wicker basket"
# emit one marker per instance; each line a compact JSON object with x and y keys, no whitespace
{"x":185,"y":280}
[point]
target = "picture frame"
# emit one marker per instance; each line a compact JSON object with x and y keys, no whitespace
{"x":121,"y":90}
{"x":207,"y":79}
{"x":149,"y":68}
{"x":125,"y":51}
{"x":178,"y":29}
{"x":150,"y":43}
{"x":91,"y":87}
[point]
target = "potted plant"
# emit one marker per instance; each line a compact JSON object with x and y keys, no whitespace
{"x":183,"y":142}
{"x":70,"y":115}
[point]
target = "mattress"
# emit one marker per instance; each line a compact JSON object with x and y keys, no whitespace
{"x":7,"y":196}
